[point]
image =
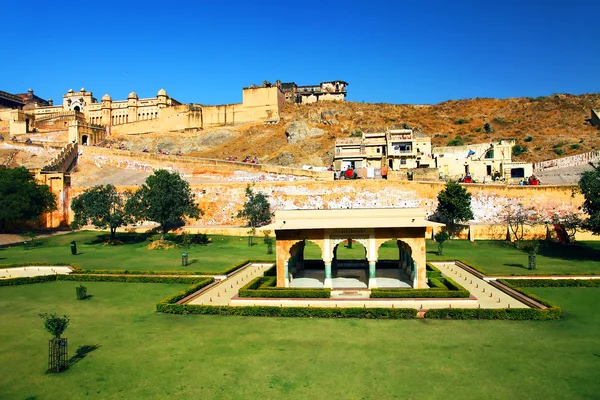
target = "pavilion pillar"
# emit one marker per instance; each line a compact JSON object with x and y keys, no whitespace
{"x":328,"y":283}
{"x":286,"y":273}
{"x":372,"y":275}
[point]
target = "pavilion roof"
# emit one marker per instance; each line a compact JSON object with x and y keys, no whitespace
{"x":350,"y":218}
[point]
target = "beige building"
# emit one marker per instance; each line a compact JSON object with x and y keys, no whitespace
{"x":484,"y":162}
{"x":137,"y":115}
{"x":325,"y":91}
{"x":403,"y":229}
{"x":396,"y":149}
{"x":108,"y":112}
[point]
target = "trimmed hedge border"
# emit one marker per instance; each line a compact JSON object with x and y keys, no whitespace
{"x":260,"y":288}
{"x":515,"y":314}
{"x":296,"y":312}
{"x":443,"y":288}
{"x":520,"y":283}
{"x":432,"y":271}
{"x":227,"y":271}
{"x":27,"y":280}
{"x":131,"y":279}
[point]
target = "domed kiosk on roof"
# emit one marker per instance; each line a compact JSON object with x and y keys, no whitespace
{"x":162,"y":92}
{"x":132,"y":95}
{"x":106,"y":97}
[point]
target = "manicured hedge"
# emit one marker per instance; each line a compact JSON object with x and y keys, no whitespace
{"x":432,"y":271}
{"x":263,"y":287}
{"x":519,"y":283}
{"x":495,"y":313}
{"x":131,"y":279}
{"x":441,"y":288}
{"x":134,"y":272}
{"x":27,"y":280}
{"x":184,"y":293}
{"x":298,"y":312}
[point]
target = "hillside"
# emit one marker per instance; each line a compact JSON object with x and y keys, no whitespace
{"x":549,"y":127}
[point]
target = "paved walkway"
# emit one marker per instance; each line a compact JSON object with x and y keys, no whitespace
{"x":221,"y":293}
{"x":31,"y":271}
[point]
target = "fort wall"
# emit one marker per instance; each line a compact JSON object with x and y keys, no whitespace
{"x":187,"y":166}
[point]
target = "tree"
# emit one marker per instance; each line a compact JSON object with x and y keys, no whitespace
{"x":454,"y":205}
{"x":21,"y":197}
{"x":257,"y":210}
{"x":54,"y":324}
{"x":589,"y":184}
{"x":440,"y":238}
{"x":516,"y":217}
{"x":488,"y":128}
{"x":165,"y":198}
{"x":532,"y":248}
{"x":101,"y":206}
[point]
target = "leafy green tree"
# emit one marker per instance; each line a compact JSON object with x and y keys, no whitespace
{"x":516,"y":217}
{"x":454,"y":205}
{"x":101,"y":206}
{"x":21,"y":197}
{"x":488,"y":128}
{"x":257,"y":210}
{"x":165,"y":198}
{"x":54,"y":324}
{"x":589,"y":184}
{"x":440,"y":238}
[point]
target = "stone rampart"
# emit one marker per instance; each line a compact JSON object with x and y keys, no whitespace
{"x":189,"y":166}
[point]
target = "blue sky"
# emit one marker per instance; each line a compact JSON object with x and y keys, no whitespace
{"x":389,"y":51}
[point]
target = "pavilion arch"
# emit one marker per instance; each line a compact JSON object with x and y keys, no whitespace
{"x":401,"y":267}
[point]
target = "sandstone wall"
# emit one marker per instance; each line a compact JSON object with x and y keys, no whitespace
{"x":222,"y":201}
{"x":190,"y":166}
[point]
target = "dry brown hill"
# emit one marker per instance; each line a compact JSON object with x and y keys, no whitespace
{"x":549,"y":127}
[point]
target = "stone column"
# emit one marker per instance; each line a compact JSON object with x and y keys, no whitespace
{"x":328,"y":282}
{"x":372,"y":275}
{"x":286,"y":274}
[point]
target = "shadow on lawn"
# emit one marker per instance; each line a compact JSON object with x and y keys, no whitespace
{"x":82,"y":352}
{"x":124,"y":238}
{"x":516,"y":265}
{"x":573,"y":251}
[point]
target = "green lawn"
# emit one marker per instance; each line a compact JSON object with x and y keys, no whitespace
{"x":216,"y":257}
{"x":501,"y":258}
{"x":141,"y":354}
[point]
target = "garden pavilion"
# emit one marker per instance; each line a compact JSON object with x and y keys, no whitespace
{"x":403,"y":229}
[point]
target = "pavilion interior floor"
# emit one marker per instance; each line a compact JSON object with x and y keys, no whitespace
{"x":351,"y":279}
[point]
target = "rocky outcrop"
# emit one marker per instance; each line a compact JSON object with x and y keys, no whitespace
{"x":298,"y":130}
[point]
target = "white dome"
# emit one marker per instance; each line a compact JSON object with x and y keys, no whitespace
{"x":132,"y":95}
{"x":162,"y":92}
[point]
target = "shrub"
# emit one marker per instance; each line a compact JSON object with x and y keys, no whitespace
{"x":54,"y":324}
{"x":529,"y":139}
{"x":81,"y":292}
{"x":538,"y":148}
{"x":559,"y":152}
{"x":520,"y":283}
{"x":477,"y":129}
{"x":501,"y":121}
{"x":457,"y":141}
{"x":440,"y":288}
{"x":575,"y":146}
{"x":517,"y":150}
{"x":559,"y":144}
{"x":461,"y":121}
{"x":488,"y":128}
{"x":356,"y":133}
